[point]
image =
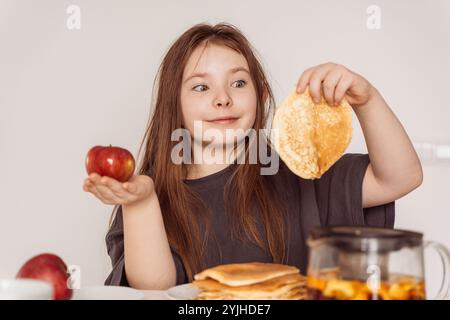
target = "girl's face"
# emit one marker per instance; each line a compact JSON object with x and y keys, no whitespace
{"x":217,"y":91}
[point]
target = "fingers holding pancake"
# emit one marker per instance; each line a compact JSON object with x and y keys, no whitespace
{"x":325,"y":79}
{"x":329,"y":86}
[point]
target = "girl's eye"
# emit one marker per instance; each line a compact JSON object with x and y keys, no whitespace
{"x":201,"y":86}
{"x":242,"y":82}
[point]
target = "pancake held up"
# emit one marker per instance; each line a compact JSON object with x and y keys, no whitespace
{"x":310,"y":137}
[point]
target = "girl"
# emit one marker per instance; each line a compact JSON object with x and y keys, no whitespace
{"x":174,"y":220}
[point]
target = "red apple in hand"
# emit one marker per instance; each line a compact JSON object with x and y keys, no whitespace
{"x":114,"y":162}
{"x":51,"y":268}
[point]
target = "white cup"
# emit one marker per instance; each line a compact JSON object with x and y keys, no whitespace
{"x":25,"y":289}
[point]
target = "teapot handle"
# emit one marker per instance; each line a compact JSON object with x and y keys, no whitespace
{"x":444,"y":254}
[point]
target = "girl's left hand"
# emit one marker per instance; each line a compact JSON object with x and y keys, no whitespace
{"x":337,"y":82}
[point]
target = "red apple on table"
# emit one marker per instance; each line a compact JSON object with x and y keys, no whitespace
{"x":115,"y":162}
{"x":51,"y":268}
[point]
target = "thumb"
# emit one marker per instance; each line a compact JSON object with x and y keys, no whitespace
{"x":130,"y":187}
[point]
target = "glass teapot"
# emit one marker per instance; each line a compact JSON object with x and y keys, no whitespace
{"x":362,"y":263}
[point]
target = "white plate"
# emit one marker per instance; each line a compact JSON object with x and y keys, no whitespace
{"x":182,"y":292}
{"x":107,"y":293}
{"x":25,"y":289}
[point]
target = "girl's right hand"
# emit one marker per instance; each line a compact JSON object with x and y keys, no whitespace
{"x":111,"y":191}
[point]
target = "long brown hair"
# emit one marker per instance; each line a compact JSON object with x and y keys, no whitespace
{"x":183,"y":211}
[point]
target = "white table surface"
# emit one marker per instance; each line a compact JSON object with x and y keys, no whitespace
{"x":155,"y":294}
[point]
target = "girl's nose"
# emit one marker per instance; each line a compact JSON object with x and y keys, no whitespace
{"x":223,"y":102}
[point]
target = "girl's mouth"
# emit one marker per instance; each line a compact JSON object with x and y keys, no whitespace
{"x":224,"y":120}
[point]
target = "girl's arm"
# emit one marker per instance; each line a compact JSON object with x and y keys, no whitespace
{"x":394,"y":168}
{"x":149,"y":262}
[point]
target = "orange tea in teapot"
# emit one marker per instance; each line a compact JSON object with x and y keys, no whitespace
{"x":368,"y":263}
{"x":329,"y":286}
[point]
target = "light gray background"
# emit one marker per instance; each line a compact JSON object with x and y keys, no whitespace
{"x":63,"y":91}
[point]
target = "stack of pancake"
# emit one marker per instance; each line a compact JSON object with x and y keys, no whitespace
{"x":250,"y":281}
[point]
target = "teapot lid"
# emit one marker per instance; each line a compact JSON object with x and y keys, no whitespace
{"x":367,"y":238}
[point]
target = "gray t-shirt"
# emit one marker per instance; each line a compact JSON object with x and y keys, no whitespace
{"x":334,"y":199}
